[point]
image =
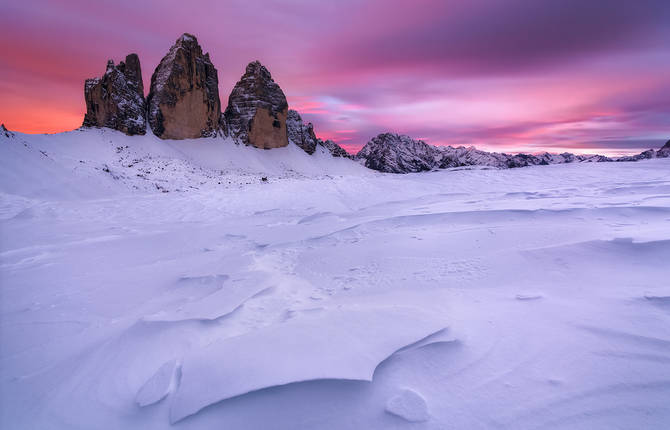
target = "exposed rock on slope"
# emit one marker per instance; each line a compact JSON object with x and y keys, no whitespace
{"x":257,"y":110}
{"x":116,"y":100}
{"x":644,"y":155}
{"x":395,"y":153}
{"x":304,"y":136}
{"x":5,"y":132}
{"x":664,"y":152}
{"x":183,"y":101}
{"x":299,"y":133}
{"x":334,"y":149}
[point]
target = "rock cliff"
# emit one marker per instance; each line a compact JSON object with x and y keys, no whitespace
{"x":116,"y":100}
{"x":257,"y":110}
{"x":183,"y":100}
{"x":300,"y":133}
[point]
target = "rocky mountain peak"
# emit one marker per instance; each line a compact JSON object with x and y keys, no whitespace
{"x":394,"y":153}
{"x":187,"y":38}
{"x":255,"y":68}
{"x":183,"y":100}
{"x":664,"y":152}
{"x":116,"y":100}
{"x":131,"y":69}
{"x":257,"y":109}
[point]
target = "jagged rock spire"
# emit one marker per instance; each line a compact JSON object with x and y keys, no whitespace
{"x":183,"y":100}
{"x":116,"y":100}
{"x":300,"y":133}
{"x":257,"y":109}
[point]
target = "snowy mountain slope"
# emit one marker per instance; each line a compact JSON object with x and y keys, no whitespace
{"x":146,"y":162}
{"x":321,"y":292}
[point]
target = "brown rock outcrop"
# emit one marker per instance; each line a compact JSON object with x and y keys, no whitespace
{"x":257,"y":110}
{"x":183,"y":100}
{"x":116,"y":100}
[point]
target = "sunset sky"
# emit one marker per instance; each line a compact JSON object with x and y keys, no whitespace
{"x":578,"y":75}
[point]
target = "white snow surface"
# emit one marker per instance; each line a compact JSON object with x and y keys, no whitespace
{"x":157,"y":284}
{"x":408,"y":405}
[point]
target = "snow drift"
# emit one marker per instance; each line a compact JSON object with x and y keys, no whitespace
{"x":201,"y":284}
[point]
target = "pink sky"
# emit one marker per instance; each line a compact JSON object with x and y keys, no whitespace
{"x":584,"y":76}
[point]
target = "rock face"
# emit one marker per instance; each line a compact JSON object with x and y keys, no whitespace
{"x":257,"y":110}
{"x":664,"y":152}
{"x":395,"y":153}
{"x":334,"y":149}
{"x":644,"y":155}
{"x":299,"y":133}
{"x":183,"y":101}
{"x":116,"y":100}
{"x":304,"y":136}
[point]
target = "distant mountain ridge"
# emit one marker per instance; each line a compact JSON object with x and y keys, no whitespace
{"x":394,"y":153}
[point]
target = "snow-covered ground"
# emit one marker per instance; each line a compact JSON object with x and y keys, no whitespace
{"x":150,"y":284}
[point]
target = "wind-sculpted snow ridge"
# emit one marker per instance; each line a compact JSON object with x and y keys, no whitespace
{"x":218,"y":300}
{"x":158,"y":386}
{"x":393,"y":153}
{"x":408,"y":405}
{"x":333,"y":344}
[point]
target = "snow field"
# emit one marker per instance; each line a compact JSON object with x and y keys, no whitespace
{"x":164,"y":284}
